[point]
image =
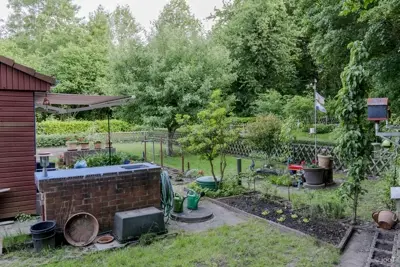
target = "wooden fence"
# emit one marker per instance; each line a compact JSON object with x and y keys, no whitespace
{"x":379,"y":162}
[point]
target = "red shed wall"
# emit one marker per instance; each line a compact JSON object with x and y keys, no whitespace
{"x":14,"y":79}
{"x":17,"y":150}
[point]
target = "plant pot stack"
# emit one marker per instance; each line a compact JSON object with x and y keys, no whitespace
{"x":326,"y":162}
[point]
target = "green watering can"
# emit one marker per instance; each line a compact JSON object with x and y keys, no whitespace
{"x":193,"y":199}
{"x":178,"y":203}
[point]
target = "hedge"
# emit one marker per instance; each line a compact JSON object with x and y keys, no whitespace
{"x":78,"y":127}
{"x":321,"y":128}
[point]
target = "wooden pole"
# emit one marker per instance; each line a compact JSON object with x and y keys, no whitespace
{"x":161,"y":153}
{"x":145,"y":148}
{"x":183,"y":163}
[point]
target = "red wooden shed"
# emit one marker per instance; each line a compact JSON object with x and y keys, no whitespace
{"x":18,"y":85}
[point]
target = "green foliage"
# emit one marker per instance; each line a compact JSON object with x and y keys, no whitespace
{"x":390,"y":179}
{"x":103,"y":159}
{"x":354,"y":144}
{"x":321,"y":128}
{"x":262,"y":37}
{"x":300,"y":108}
{"x":283,"y":180}
{"x":270,"y":103}
{"x":211,"y":133}
{"x":229,"y":187}
{"x":79,"y":127}
{"x":264,"y":133}
{"x":174,"y":72}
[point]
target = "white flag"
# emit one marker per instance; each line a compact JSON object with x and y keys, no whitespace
{"x":320,"y":98}
{"x":319,"y":107}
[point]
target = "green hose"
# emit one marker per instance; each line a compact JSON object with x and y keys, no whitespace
{"x":167,"y":194}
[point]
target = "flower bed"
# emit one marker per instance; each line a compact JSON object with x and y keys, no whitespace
{"x":326,"y":230}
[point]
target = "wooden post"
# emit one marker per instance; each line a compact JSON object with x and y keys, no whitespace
{"x":183,"y":163}
{"x":188,"y":165}
{"x":145,"y":149}
{"x":161,"y":153}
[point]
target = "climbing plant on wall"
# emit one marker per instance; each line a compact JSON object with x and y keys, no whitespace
{"x":354,"y":143}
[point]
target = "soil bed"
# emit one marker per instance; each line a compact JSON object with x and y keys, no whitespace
{"x":326,"y":230}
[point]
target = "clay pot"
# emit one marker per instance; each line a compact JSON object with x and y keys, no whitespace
{"x":72,"y":146}
{"x":97,"y":145}
{"x":84,"y":146}
{"x":385,"y":219}
{"x":314,"y":176}
{"x":325,"y":162}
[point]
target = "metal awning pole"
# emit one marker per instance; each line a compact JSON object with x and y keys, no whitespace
{"x":109,"y":136}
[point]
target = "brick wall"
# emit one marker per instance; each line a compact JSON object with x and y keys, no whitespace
{"x":102,"y":196}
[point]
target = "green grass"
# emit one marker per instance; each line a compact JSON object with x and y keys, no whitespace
{"x":176,"y":161}
{"x":15,"y":240}
{"x":328,"y":137}
{"x":248,"y":244}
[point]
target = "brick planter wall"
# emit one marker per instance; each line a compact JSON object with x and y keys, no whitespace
{"x":102,"y":196}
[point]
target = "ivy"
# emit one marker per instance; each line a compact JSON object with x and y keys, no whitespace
{"x":353,"y":145}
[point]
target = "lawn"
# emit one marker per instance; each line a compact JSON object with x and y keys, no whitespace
{"x":176,"y":161}
{"x":248,"y":244}
{"x":302,"y":136}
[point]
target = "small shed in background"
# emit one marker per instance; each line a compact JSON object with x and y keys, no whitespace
{"x":18,"y":85}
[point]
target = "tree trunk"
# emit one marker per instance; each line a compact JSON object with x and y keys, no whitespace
{"x":222,"y":167}
{"x":355,"y":206}
{"x":213,"y":173}
{"x":170,"y":142}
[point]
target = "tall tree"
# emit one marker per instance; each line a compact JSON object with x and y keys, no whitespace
{"x":124,"y":27}
{"x":262,"y":37}
{"x":173,"y":73}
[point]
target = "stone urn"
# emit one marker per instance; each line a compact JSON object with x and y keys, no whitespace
{"x":385,"y":219}
{"x":314,"y":176}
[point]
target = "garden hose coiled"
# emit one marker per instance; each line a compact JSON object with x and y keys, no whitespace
{"x":167,"y":195}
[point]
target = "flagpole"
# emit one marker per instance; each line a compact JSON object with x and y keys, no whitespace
{"x":315,"y":120}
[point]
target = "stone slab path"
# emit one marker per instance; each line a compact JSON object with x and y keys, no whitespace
{"x":357,"y":250}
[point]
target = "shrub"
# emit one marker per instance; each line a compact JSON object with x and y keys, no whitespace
{"x":264,"y":133}
{"x":103,"y":159}
{"x":76,"y":127}
{"x":229,"y":187}
{"x":321,"y":128}
{"x":52,"y":140}
{"x":283,"y":180}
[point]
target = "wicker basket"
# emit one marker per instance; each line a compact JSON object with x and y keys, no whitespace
{"x":81,"y":229}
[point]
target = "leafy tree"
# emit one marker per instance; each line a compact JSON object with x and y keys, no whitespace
{"x":124,"y":27}
{"x":353,"y":144}
{"x":270,"y":103}
{"x":264,"y":134}
{"x":300,"y":108}
{"x":211,"y":133}
{"x":262,"y":37}
{"x":172,"y":74}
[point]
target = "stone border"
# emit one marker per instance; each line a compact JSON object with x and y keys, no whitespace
{"x":283,"y":228}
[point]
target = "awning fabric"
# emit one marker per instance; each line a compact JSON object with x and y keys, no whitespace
{"x":55,"y":103}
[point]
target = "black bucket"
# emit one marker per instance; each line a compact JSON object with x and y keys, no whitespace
{"x":43,"y":235}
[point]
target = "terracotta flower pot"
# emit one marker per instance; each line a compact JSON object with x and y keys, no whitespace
{"x":97,"y":145}
{"x":325,"y":162}
{"x":72,"y":146}
{"x":385,"y":219}
{"x":84,"y":145}
{"x":314,"y":176}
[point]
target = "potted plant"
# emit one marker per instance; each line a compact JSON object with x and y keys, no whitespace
{"x":325,"y":160}
{"x":72,"y":144}
{"x":84,"y":143}
{"x":97,"y":145}
{"x":314,"y":174}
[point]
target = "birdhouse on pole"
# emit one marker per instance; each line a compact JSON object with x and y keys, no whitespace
{"x":378,"y":109}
